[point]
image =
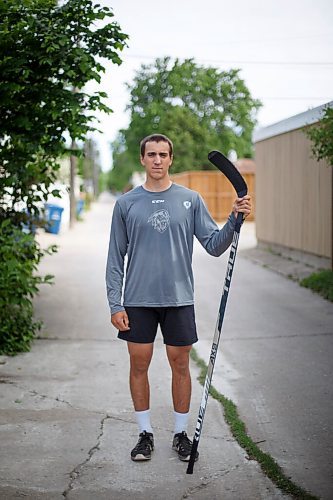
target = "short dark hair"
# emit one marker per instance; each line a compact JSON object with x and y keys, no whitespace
{"x":155,"y":138}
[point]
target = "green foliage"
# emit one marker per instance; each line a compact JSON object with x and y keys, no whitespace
{"x":321,"y":282}
{"x":46,"y":52}
{"x":199,"y":108}
{"x":103,"y":182}
{"x":20,"y":255}
{"x":124,"y":166}
{"x":321,"y":136}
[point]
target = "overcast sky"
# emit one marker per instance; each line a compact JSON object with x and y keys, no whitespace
{"x":284,"y":50}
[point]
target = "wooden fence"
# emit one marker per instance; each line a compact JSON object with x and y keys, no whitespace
{"x":216,"y":190}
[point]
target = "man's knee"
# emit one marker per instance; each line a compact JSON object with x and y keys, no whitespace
{"x":139,"y":366}
{"x":179,"y":359}
{"x":140,"y":358}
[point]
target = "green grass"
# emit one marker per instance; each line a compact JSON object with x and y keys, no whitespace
{"x":238,"y":429}
{"x":320,"y":282}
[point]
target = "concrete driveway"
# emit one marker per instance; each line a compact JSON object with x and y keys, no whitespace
{"x":67,"y":423}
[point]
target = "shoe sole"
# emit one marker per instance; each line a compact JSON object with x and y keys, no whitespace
{"x":140,"y":458}
{"x":184,"y":459}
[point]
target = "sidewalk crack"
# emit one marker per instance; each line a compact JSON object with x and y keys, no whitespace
{"x":75,"y":473}
{"x":35,"y":393}
{"x":44,"y":396}
{"x":204,"y":482}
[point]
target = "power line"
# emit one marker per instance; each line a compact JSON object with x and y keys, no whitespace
{"x":221,"y":61}
{"x":272,"y":63}
{"x":296,"y":98}
{"x":283,"y":39}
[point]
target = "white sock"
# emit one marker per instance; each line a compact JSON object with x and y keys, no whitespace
{"x":143,"y":420}
{"x":181,"y":420}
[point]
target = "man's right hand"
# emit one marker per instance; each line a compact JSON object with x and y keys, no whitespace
{"x":120,"y":321}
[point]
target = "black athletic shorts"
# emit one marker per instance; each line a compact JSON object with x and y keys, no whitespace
{"x":177,"y":325}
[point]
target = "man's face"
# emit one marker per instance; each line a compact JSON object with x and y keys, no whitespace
{"x":156,"y":159}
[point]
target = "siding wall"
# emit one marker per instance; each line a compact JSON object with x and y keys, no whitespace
{"x":293,"y":195}
{"x":216,"y":190}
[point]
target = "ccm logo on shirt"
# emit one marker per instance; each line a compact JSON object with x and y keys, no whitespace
{"x":157,"y":201}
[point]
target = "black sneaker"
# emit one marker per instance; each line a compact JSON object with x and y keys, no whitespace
{"x":183,"y":445}
{"x":144,"y":447}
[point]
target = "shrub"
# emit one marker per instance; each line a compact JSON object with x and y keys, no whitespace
{"x":20,"y":255}
{"x":321,"y":282}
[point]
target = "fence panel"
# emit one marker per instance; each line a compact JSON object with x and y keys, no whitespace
{"x":216,"y":190}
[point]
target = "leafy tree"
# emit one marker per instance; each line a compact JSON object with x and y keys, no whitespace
{"x":48,"y":53}
{"x":321,"y":136}
{"x":199,"y":108}
{"x":124,"y":166}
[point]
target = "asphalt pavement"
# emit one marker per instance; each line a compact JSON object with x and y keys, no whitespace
{"x":67,"y":424}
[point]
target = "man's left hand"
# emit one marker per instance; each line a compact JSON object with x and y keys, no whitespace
{"x":242,"y":205}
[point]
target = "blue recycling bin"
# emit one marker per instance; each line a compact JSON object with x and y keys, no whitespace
{"x":79,"y":207}
{"x":53,"y":218}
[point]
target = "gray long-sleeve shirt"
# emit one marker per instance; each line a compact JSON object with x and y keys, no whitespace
{"x":155,"y":230}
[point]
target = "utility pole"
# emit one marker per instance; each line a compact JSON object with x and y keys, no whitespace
{"x":95,"y":175}
{"x":73,"y":168}
{"x":72,"y":200}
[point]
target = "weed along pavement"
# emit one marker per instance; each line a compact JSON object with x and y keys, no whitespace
{"x":67,"y":424}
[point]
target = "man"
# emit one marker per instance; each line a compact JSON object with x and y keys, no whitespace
{"x":154,"y":225}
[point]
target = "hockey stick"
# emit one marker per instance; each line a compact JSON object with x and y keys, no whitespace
{"x":230,"y":171}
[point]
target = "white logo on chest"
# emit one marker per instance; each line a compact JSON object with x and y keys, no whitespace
{"x":187,"y":204}
{"x":157,"y":201}
{"x":160,"y":220}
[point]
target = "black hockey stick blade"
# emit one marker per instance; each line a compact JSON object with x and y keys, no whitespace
{"x":230,"y":171}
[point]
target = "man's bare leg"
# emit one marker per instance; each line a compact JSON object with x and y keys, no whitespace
{"x":140,"y":357}
{"x":181,"y":395}
{"x":178,"y":357}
